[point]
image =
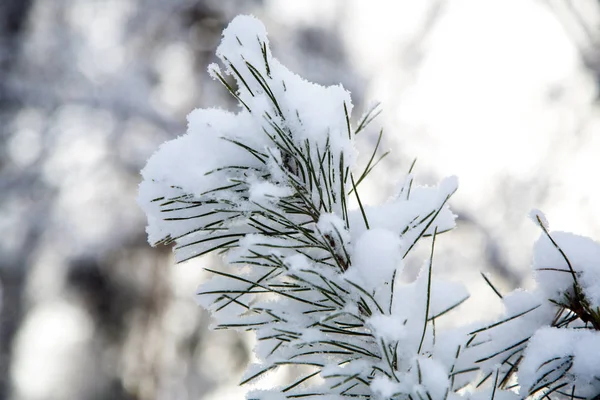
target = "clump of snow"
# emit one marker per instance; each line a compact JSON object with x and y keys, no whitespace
{"x":389,"y":327}
{"x":420,"y":210}
{"x":384,"y":388}
{"x":424,"y":378}
{"x":434,"y":378}
{"x":554,"y":352}
{"x":376,"y":255}
{"x":538,"y":217}
{"x":297,"y":262}
{"x":264,"y":191}
{"x":553,"y":273}
{"x":551,"y":332}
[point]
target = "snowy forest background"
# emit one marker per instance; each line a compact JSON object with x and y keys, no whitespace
{"x":503,"y":94}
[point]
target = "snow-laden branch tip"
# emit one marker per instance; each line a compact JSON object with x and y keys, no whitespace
{"x":321,"y":284}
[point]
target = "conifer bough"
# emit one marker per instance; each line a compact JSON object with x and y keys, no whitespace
{"x":320,"y":283}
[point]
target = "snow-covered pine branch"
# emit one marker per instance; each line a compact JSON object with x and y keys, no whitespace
{"x":548,"y":341}
{"x":319,"y":282}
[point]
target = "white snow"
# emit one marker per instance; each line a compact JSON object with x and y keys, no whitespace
{"x":318,"y":283}
{"x":574,"y":351}
{"x":552,"y":272}
{"x":376,"y":255}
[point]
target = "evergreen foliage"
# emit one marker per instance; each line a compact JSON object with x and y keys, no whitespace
{"x":319,"y":282}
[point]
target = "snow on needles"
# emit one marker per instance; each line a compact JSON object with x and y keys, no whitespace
{"x":321,"y":284}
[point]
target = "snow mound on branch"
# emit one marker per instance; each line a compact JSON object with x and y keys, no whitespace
{"x":553,"y":273}
{"x":553,"y":352}
{"x":185,"y":178}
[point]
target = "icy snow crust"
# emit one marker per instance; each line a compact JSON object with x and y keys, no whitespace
{"x":319,"y":283}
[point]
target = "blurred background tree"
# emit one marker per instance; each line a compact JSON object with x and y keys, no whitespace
{"x":501,"y":93}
